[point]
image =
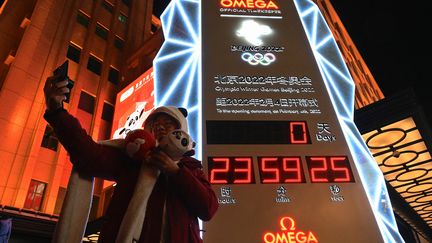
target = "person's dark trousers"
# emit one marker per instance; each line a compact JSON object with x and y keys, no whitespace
{"x":5,"y":229}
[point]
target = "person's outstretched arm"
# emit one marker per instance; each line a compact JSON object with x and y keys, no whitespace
{"x":88,"y":156}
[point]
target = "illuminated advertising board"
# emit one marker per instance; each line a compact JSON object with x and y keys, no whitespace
{"x":272,"y":101}
{"x":133,"y":104}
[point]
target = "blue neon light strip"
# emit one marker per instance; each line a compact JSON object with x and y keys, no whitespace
{"x":177,"y":65}
{"x":178,"y":82}
{"x":341,"y":90}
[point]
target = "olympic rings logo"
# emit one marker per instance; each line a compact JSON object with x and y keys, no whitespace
{"x":258,"y":58}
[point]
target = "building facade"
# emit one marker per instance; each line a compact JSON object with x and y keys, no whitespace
{"x":396,"y":132}
{"x":36,"y":37}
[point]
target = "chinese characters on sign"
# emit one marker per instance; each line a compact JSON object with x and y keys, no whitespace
{"x":258,"y":86}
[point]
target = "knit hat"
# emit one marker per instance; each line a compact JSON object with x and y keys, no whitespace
{"x":179,"y":114}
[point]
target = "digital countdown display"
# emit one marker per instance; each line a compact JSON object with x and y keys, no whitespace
{"x":270,"y":104}
{"x":239,"y":132}
{"x":279,"y":170}
{"x":272,"y":144}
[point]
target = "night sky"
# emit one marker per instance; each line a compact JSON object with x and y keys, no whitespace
{"x":159,"y":6}
{"x":392,"y":38}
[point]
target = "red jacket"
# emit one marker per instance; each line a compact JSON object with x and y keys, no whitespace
{"x":188,"y":193}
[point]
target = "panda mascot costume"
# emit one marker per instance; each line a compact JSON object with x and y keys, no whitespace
{"x":137,"y":143}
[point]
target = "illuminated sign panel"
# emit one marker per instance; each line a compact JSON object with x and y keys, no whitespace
{"x":268,"y":121}
{"x":133,"y":104}
{"x":271,"y":105}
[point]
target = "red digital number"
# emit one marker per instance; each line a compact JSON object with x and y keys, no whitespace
{"x":270,"y":170}
{"x":293,"y":166}
{"x":231,"y":170}
{"x":329,"y":169}
{"x":318,"y":169}
{"x":280,"y":170}
{"x":221,"y":172}
{"x":298,"y":133}
{"x":338,"y":164}
{"x":246,"y":171}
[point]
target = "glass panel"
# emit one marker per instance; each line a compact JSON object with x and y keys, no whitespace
{"x":86,"y":102}
{"x":101,"y":32}
{"x":83,"y":19}
{"x":49,"y":139}
{"x":122,"y":18}
{"x":118,"y":43}
{"x":94,"y":65}
{"x":35,"y":195}
{"x":108,"y":6}
{"x":113,"y":75}
{"x":74,"y":53}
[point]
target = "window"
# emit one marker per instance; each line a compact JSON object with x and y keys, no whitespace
{"x":108,"y":6}
{"x":49,"y":140}
{"x":105,"y":125}
{"x":107,"y":112}
{"x":59,"y":201}
{"x":73,"y":53}
{"x":83,"y":19}
{"x":126,"y":2}
{"x":101,"y":31}
{"x":94,"y":65}
{"x":118,"y":43}
{"x":122,"y":18}
{"x":35,"y":195}
{"x":113,"y":75}
{"x":86,"y":102}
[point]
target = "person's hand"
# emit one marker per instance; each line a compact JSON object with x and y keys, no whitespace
{"x":55,"y":93}
{"x":162,"y":161}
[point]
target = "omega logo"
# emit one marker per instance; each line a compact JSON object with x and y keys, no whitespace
{"x":289,"y":234}
{"x":260,"y":4}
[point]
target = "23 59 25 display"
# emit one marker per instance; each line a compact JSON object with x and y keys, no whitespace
{"x":279,"y":169}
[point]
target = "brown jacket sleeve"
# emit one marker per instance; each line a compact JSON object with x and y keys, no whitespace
{"x":88,"y":156}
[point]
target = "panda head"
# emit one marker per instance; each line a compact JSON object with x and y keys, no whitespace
{"x":133,"y":121}
{"x":177,"y":144}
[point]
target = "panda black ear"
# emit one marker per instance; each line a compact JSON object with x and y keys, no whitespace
{"x":183,"y":111}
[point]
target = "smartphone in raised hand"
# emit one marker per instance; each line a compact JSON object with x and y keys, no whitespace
{"x":61,"y":73}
